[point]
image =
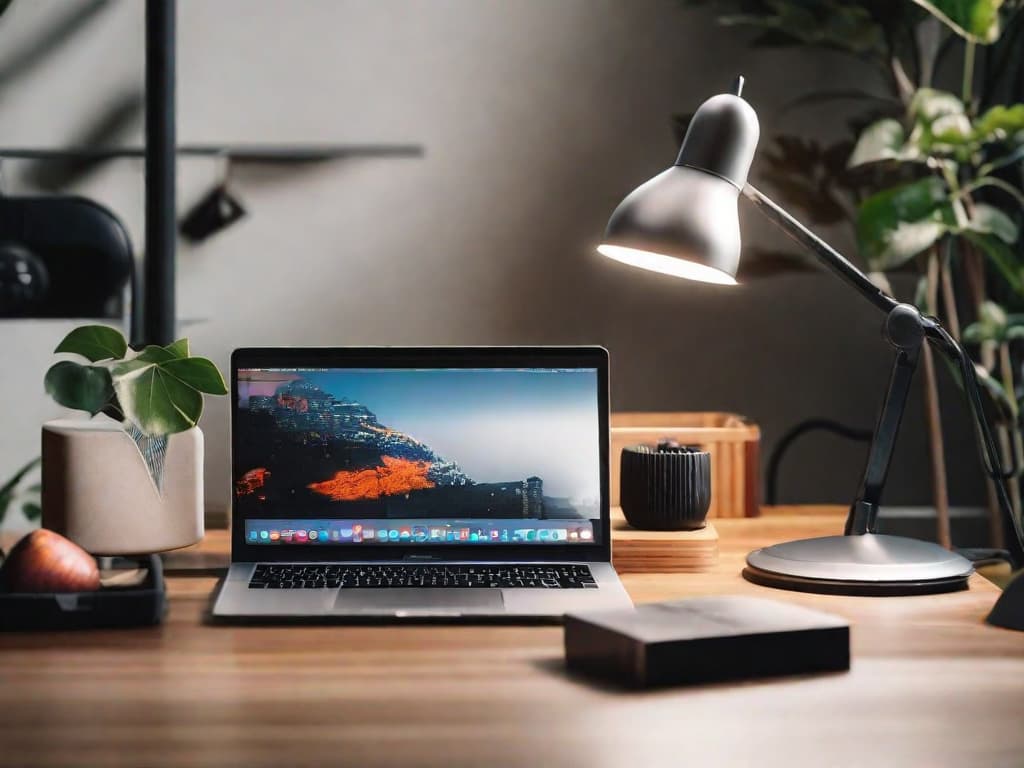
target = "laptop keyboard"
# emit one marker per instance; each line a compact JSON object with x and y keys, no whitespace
{"x":502,"y":576}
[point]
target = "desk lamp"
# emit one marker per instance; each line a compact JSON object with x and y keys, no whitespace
{"x":684,"y":223}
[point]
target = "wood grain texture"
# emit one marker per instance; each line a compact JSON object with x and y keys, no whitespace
{"x":637,"y":551}
{"x":931,"y":685}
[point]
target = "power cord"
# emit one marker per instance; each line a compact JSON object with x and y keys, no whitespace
{"x":990,"y":453}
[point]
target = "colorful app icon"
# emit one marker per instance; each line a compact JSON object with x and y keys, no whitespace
{"x":369,"y":533}
{"x":301,"y":536}
{"x":287,"y":535}
{"x":264,"y":535}
{"x":495,"y":533}
{"x":464,"y":534}
{"x":357,"y":537}
{"x":586,"y":534}
{"x":543,"y":535}
{"x":419,"y":533}
{"x":504,"y":534}
{"x":335,"y":534}
{"x":357,"y":529}
{"x":574,"y":535}
{"x":436,"y":534}
{"x":345,"y":534}
{"x":393,"y":534}
{"x":531,"y":535}
{"x":275,"y":535}
{"x":254,"y":535}
{"x":559,"y":534}
{"x":450,"y":536}
{"x":314,"y":535}
{"x":323,"y":534}
{"x":473,"y":536}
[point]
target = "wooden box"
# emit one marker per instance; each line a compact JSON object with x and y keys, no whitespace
{"x":732,"y":441}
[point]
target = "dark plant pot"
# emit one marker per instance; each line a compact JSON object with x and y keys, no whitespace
{"x":667,"y":488}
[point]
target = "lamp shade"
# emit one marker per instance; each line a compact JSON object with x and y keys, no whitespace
{"x":684,"y":221}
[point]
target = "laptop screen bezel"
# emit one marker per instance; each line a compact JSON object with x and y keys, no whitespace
{"x":426,"y":357}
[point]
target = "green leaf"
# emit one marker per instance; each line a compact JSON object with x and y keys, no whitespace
{"x":990,"y":220}
{"x":999,"y":122}
{"x":77,"y":386}
{"x":952,"y":129}
{"x":975,"y":20}
{"x":921,"y":296}
{"x":1002,"y":257}
{"x":199,"y":373}
{"x":178,"y":348}
{"x":882,"y":140}
{"x":157,"y":402}
{"x":896,"y":224}
{"x":930,"y":104}
{"x":31,"y":510}
{"x":94,"y":342}
{"x":155,"y":354}
{"x":8,"y":488}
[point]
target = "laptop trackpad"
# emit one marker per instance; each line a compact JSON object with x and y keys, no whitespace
{"x":419,"y":602}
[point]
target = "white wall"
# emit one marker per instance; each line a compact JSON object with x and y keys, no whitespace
{"x":537,"y":116}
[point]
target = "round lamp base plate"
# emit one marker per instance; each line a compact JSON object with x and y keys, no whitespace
{"x":868,"y":564}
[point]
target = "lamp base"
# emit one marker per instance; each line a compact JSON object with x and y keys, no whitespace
{"x":868,"y":564}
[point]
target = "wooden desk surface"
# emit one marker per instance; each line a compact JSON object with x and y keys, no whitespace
{"x":931,"y":685}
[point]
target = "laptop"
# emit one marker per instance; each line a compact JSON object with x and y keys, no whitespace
{"x":403,"y":483}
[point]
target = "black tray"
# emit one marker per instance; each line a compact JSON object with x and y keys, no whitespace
{"x":140,"y":606}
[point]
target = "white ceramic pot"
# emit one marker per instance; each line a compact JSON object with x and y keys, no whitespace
{"x":98,"y":490}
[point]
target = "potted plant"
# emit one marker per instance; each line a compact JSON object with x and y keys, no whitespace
{"x":128,"y":480}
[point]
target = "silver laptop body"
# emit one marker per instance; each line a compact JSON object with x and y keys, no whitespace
{"x":409,"y":483}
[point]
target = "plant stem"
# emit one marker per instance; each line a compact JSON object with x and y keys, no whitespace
{"x":933,"y":415}
{"x":952,"y":317}
{"x":968,"y":82}
{"x":974,"y":272}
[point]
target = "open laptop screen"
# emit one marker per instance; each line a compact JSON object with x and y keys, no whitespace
{"x":469,"y":457}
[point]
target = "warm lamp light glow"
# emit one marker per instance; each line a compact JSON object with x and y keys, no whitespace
{"x":666,"y":265}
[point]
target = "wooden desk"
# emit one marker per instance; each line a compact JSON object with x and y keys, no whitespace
{"x":931,"y":685}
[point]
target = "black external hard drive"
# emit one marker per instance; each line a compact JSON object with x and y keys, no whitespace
{"x":704,"y":640}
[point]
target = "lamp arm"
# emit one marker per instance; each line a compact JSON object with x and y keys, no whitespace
{"x":826,"y":254}
{"x":885,"y":433}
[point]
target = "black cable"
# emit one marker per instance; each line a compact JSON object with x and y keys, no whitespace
{"x":990,"y":456}
{"x":775,"y":459}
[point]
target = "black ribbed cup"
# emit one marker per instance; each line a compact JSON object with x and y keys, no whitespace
{"x":665,"y":488}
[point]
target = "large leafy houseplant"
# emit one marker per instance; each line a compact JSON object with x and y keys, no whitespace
{"x":154,"y":392}
{"x":930,"y":176}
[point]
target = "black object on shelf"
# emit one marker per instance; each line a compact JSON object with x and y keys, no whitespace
{"x":665,"y":488}
{"x":108,"y":607}
{"x":62,"y":257}
{"x":217,"y":210}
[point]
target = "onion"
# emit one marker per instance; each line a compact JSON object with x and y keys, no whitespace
{"x":44,"y":561}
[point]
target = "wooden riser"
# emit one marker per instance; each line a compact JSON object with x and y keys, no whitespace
{"x":636,"y":551}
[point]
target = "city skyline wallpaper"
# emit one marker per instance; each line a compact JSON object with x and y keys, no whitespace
{"x":394,"y":443}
